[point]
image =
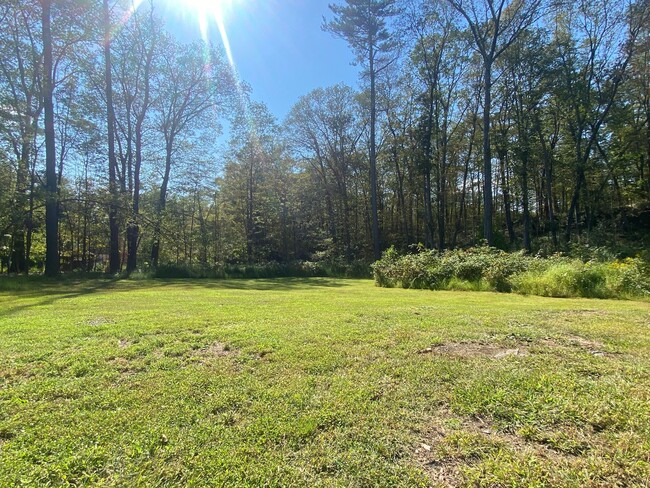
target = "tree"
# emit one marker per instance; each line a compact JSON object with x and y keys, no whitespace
{"x":137,"y":52}
{"x":114,"y":240}
{"x":440,"y":62}
{"x":21,"y":108}
{"x":187,"y":91}
{"x":324,"y":132}
{"x":51,"y":198}
{"x":594,"y":60}
{"x":362,"y":23}
{"x":495,"y":25}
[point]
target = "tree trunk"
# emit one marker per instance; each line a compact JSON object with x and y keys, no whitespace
{"x":52,"y":266}
{"x":505,"y":188}
{"x":573,"y":208}
{"x":133,"y":232}
{"x":376,"y":244}
{"x":162,"y":202}
{"x":487,"y":156}
{"x":114,"y":240}
{"x":524,"y":196}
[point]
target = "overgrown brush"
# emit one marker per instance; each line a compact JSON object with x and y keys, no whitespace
{"x":485,"y":268}
{"x":273,"y":269}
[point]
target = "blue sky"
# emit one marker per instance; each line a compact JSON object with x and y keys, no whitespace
{"x":278,"y":46}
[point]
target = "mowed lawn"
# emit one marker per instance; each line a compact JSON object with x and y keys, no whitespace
{"x":318,"y":382}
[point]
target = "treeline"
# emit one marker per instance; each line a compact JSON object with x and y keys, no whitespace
{"x":522,"y":123}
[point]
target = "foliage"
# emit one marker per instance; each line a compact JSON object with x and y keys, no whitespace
{"x":483,"y":268}
{"x":351,"y":171}
{"x":271,"y":269}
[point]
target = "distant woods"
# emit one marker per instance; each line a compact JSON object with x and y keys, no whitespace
{"x":523,"y":123}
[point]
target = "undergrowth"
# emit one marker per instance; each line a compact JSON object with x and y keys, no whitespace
{"x":485,"y":268}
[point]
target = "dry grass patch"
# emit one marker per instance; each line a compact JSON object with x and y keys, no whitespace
{"x":473,"y":349}
{"x":217,"y":349}
{"x":452,"y":446}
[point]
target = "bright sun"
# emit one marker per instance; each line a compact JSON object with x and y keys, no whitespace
{"x":208,"y":12}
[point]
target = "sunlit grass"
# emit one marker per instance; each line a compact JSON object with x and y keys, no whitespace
{"x":318,"y":382}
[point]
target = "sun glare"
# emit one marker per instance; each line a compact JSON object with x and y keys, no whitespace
{"x":207,"y":13}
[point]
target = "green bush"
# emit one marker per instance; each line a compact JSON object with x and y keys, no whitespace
{"x":485,"y":268}
{"x":434,"y":270}
{"x":629,"y":277}
{"x":563,"y":279}
{"x":272,"y":269}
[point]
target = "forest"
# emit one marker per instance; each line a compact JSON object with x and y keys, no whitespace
{"x":524,"y":124}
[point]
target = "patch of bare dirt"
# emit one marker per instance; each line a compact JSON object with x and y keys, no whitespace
{"x":214,"y":350}
{"x":474,"y":349}
{"x":593,"y":347}
{"x":217,"y":349}
{"x":124,"y":366}
{"x":443,"y":462}
{"x":99,"y":321}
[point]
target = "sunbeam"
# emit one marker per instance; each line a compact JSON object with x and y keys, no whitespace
{"x":208,"y":12}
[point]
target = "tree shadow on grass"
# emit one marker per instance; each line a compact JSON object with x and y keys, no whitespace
{"x":256,"y":284}
{"x":53,"y":291}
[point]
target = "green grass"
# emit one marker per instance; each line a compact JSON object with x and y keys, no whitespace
{"x":318,"y":382}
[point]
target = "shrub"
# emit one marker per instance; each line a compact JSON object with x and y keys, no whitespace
{"x":563,"y":279}
{"x":430,"y":269}
{"x":272,"y":269}
{"x":485,"y":268}
{"x":629,"y":277}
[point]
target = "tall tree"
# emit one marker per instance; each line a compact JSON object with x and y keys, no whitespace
{"x":114,"y":239}
{"x":136,"y":50}
{"x":21,"y":108}
{"x":188,"y":90}
{"x":363,"y":24}
{"x":495,"y":25}
{"x":440,"y":60}
{"x":325,"y":131}
{"x":51,"y":198}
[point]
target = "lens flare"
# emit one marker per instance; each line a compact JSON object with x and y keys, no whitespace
{"x":207,"y":13}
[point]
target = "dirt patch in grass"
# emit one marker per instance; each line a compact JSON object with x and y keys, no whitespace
{"x":473,"y":349}
{"x":217,"y":349}
{"x":593,"y":347}
{"x":214,"y":350}
{"x":124,"y":366}
{"x":99,"y":321}
{"x":451,"y":443}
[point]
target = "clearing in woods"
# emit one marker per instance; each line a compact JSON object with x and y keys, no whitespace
{"x":318,"y":382}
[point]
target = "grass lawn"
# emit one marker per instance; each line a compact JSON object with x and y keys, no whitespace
{"x":318,"y":382}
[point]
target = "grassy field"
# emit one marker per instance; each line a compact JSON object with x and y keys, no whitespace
{"x":318,"y":382}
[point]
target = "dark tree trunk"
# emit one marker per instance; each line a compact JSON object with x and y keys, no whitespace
{"x":487,"y":155}
{"x":114,"y":240}
{"x":162,"y":203}
{"x":429,"y":240}
{"x":52,"y":267}
{"x":524,"y":196}
{"x":133,"y":231}
{"x":376,"y":243}
{"x":572,"y":215}
{"x":505,"y":188}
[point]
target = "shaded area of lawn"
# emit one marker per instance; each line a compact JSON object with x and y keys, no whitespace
{"x":318,"y":382}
